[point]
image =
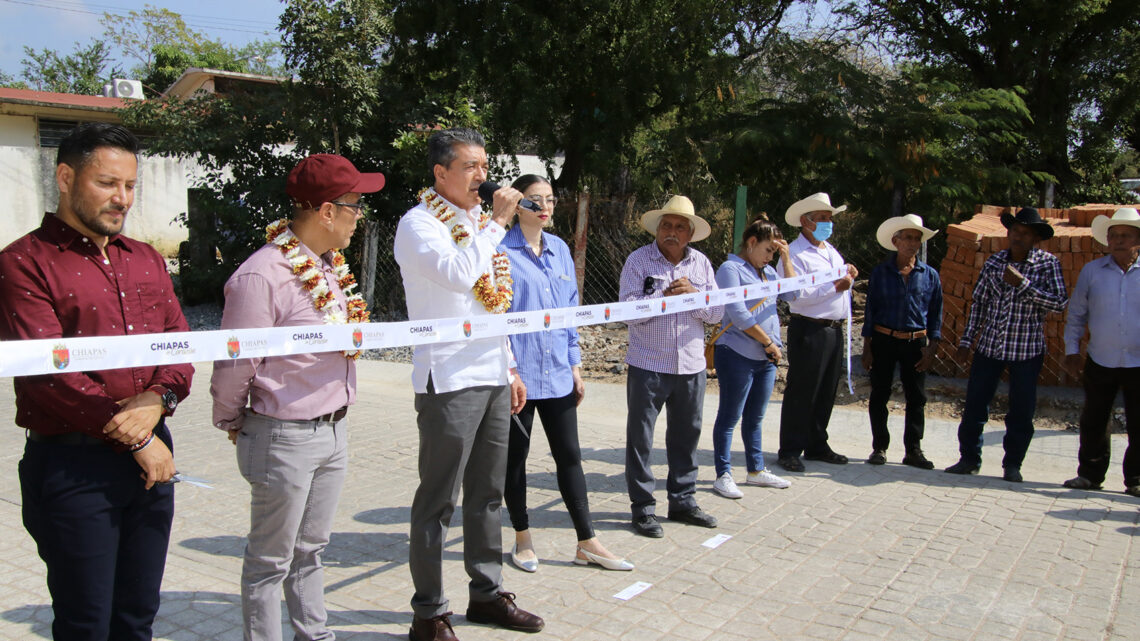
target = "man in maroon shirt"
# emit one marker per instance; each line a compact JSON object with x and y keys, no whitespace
{"x":95,"y":477}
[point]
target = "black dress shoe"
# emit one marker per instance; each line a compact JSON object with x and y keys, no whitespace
{"x":433,"y":629}
{"x":503,"y":612}
{"x":827,"y":457}
{"x":648,"y":526}
{"x":878,"y":457}
{"x":1012,"y":474}
{"x":791,"y":463}
{"x":962,"y":467}
{"x":915,"y":458}
{"x":695,"y":516}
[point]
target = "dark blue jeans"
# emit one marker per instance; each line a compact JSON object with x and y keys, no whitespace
{"x":102,"y":535}
{"x":745,"y":387}
{"x":985,"y":373}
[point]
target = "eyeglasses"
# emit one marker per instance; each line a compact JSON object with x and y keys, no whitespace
{"x":647,"y":288}
{"x":538,"y":200}
{"x":359,"y":207}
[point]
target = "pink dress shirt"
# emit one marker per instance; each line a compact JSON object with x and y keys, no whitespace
{"x":263,"y":292}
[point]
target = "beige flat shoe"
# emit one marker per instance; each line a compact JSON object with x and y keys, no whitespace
{"x":620,"y":565}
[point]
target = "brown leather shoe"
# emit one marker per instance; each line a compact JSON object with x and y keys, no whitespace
{"x":503,"y":612}
{"x":433,"y":629}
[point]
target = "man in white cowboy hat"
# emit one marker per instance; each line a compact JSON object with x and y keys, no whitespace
{"x":902,"y":325}
{"x":1016,"y":288}
{"x":667,"y":364}
{"x":815,"y":337}
{"x":1107,"y":301}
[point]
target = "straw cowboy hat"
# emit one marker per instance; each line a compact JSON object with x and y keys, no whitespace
{"x":1029,"y":216}
{"x":892,"y":226}
{"x":1123,"y":216}
{"x":677,"y":206}
{"x":814,"y":202}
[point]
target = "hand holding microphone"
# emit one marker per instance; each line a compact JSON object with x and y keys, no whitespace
{"x":488,"y":191}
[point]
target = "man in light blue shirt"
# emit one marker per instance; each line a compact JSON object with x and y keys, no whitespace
{"x":1107,"y":301}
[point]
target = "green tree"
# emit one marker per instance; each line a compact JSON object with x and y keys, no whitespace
{"x":1075,"y":61}
{"x":171,"y":61}
{"x":84,"y":71}
{"x":576,"y":77}
{"x":164,"y":47}
{"x":9,"y":82}
{"x":140,"y":32}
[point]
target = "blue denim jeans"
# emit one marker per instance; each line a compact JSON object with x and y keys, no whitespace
{"x":745,"y":387}
{"x":985,"y":373}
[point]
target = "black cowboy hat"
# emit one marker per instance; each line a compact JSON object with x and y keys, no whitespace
{"x":1029,"y":216}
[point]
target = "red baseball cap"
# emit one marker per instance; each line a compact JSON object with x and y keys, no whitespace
{"x":320,"y":178}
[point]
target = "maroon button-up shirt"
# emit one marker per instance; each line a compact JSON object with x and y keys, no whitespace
{"x":55,"y":283}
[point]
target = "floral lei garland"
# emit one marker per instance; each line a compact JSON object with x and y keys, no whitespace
{"x":494,"y":291}
{"x":305,"y":268}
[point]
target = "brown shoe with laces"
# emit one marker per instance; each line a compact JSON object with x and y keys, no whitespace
{"x":433,"y":629}
{"x":503,"y":612}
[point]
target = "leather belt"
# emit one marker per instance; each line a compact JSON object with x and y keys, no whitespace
{"x":894,"y":333}
{"x":67,"y":438}
{"x":332,"y":417}
{"x":819,"y":321}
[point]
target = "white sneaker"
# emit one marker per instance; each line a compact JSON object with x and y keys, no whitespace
{"x":726,"y":487}
{"x":764,"y":478}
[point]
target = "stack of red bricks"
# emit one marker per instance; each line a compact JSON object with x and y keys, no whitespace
{"x":971,"y":242}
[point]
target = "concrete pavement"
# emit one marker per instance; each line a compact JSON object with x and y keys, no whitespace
{"x":848,"y":552}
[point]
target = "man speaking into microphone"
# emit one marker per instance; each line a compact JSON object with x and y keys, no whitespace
{"x":465,"y":390}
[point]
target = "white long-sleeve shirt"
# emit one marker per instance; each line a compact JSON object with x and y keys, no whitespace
{"x":820,"y":300}
{"x":438,"y":277}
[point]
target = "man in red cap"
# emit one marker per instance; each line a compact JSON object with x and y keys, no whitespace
{"x":290,"y":430}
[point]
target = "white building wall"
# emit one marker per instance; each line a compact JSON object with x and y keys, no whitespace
{"x":19,"y":177}
{"x":27,"y":182}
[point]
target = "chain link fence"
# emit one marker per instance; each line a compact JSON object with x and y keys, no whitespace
{"x":613,"y":233}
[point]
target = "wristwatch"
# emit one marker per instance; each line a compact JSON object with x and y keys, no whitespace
{"x":169,"y":399}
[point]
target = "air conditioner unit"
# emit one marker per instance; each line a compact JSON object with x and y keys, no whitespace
{"x":124,"y":88}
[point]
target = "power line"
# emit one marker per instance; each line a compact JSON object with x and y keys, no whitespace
{"x":189,"y":24}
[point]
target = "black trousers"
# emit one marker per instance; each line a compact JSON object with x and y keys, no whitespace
{"x":560,"y":421}
{"x":1101,"y":385}
{"x":814,"y":363}
{"x":102,"y":536}
{"x":888,"y":353}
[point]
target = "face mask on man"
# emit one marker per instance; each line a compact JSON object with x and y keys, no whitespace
{"x":822,"y":231}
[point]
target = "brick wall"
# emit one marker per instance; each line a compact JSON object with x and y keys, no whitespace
{"x":971,"y":242}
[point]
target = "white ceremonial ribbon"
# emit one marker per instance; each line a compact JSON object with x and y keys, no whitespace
{"x":850,"y":301}
{"x":63,"y":355}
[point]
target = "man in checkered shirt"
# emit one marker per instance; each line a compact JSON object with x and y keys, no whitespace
{"x":666,"y":361}
{"x":1016,"y":289}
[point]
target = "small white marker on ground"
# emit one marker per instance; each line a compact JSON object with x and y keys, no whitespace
{"x":633,"y":590}
{"x":716,"y":540}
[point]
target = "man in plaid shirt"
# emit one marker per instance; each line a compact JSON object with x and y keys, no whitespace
{"x":666,"y":361}
{"x":1016,"y":289}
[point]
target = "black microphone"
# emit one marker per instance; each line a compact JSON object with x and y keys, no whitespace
{"x":487,"y":192}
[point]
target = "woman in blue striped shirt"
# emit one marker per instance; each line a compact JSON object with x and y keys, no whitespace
{"x":746,"y":356}
{"x":549,"y":363}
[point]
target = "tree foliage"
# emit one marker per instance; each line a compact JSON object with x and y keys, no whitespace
{"x":1075,"y":62}
{"x":577,"y":77}
{"x":163,"y":47}
{"x":84,"y":71}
